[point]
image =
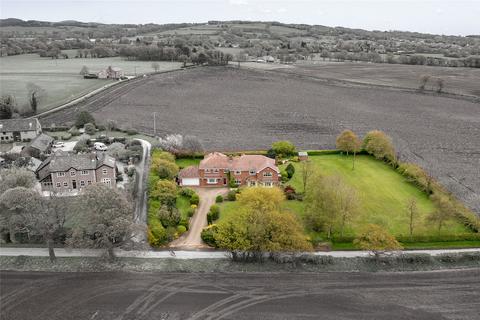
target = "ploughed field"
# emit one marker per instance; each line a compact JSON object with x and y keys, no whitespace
{"x":239,"y":109}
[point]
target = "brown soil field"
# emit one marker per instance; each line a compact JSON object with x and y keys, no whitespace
{"x":239,"y":109}
{"x":461,"y":81}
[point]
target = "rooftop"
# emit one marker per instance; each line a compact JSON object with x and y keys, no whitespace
{"x":8,"y":125}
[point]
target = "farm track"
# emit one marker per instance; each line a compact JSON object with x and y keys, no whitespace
{"x":246,"y":109}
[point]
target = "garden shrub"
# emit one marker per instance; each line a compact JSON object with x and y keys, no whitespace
{"x":187,"y":192}
{"x":131,"y":131}
{"x":181,"y":229}
{"x":184,"y":222}
{"x":195,"y":199}
{"x":219,"y":199}
{"x":66,"y":136}
{"x":232,"y":195}
{"x":90,"y":128}
{"x":208,"y":235}
{"x":190,"y":212}
{"x":156,"y":233}
{"x":290,"y":170}
{"x":169,"y":216}
{"x":74,"y":131}
{"x":83,"y":118}
{"x":213,"y":214}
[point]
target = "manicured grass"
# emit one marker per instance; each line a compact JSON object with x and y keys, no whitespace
{"x":227,"y":208}
{"x":185,"y":162}
{"x":383,"y":195}
{"x":183,"y":204}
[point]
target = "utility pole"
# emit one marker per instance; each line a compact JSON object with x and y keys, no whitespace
{"x":154,"y":124}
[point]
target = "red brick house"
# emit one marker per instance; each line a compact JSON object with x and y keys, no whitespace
{"x":65,"y":173}
{"x":216,"y":169}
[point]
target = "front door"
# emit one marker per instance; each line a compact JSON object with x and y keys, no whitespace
{"x":224,"y":181}
{"x":74,"y":184}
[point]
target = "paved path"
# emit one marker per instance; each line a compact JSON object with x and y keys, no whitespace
{"x":187,"y":254}
{"x":435,"y":295}
{"x":192,"y":239}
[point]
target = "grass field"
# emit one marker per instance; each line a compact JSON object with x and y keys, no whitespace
{"x":60,"y":78}
{"x":383,"y":194}
{"x":183,"y":204}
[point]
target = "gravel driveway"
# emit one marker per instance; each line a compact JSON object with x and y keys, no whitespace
{"x":192,"y":240}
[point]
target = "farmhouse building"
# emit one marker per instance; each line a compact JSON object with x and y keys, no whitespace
{"x":14,"y":130}
{"x":110,"y":73}
{"x":63,"y":172}
{"x":217,"y":169}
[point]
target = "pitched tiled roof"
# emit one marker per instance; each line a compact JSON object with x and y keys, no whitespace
{"x":189,"y":172}
{"x":253,"y":162}
{"x":60,"y":162}
{"x":217,"y":160}
{"x":42,"y":142}
{"x":9,"y":125}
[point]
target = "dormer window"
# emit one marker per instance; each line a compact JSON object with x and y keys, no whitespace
{"x":104,"y":171}
{"x":252,"y":172}
{"x":72,"y":173}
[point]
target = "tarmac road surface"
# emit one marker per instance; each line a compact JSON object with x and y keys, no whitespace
{"x":416,"y":295}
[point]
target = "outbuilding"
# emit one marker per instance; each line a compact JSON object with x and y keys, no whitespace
{"x":303,"y":156}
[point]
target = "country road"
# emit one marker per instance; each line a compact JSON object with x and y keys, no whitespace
{"x":142,"y":168}
{"x":107,"y":296}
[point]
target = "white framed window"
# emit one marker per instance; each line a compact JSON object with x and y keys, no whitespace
{"x":238,"y":182}
{"x":267,"y":184}
{"x":211,"y":181}
{"x":65,"y":184}
{"x":82,"y":183}
{"x":104,"y":171}
{"x":84,"y":172}
{"x":89,"y":182}
{"x":60,"y":174}
{"x":237,"y":172}
{"x":72,"y":173}
{"x":106,"y":181}
{"x":58,"y":184}
{"x":252,"y":172}
{"x":215,"y":170}
{"x":267,"y":174}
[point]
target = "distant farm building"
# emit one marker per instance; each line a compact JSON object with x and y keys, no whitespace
{"x":303,"y":156}
{"x":12,"y":130}
{"x":110,"y":73}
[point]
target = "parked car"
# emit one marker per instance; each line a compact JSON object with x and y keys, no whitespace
{"x":99,"y":146}
{"x":58,"y":144}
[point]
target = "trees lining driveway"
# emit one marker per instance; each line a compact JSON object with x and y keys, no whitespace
{"x":192,"y":240}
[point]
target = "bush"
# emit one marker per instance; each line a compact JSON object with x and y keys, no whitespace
{"x":131,"y":131}
{"x":66,"y":136}
{"x":290,"y":193}
{"x":90,"y":128}
{"x":81,"y":146}
{"x":208,"y":235}
{"x":290,"y":169}
{"x":195,"y":199}
{"x":213,"y":214}
{"x":159,"y":154}
{"x":232,"y":195}
{"x":219,"y":199}
{"x":190,"y":212}
{"x":271,"y":153}
{"x":187,"y":192}
{"x":83,"y":118}
{"x":283,"y":148}
{"x":184,"y":222}
{"x":169,"y":216}
{"x":156,"y":233}
{"x":74,"y":131}
{"x":378,"y":144}
{"x":181,"y":229}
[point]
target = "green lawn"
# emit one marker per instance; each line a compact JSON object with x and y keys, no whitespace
{"x":383,"y":194}
{"x":183,"y":204}
{"x":185,"y":162}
